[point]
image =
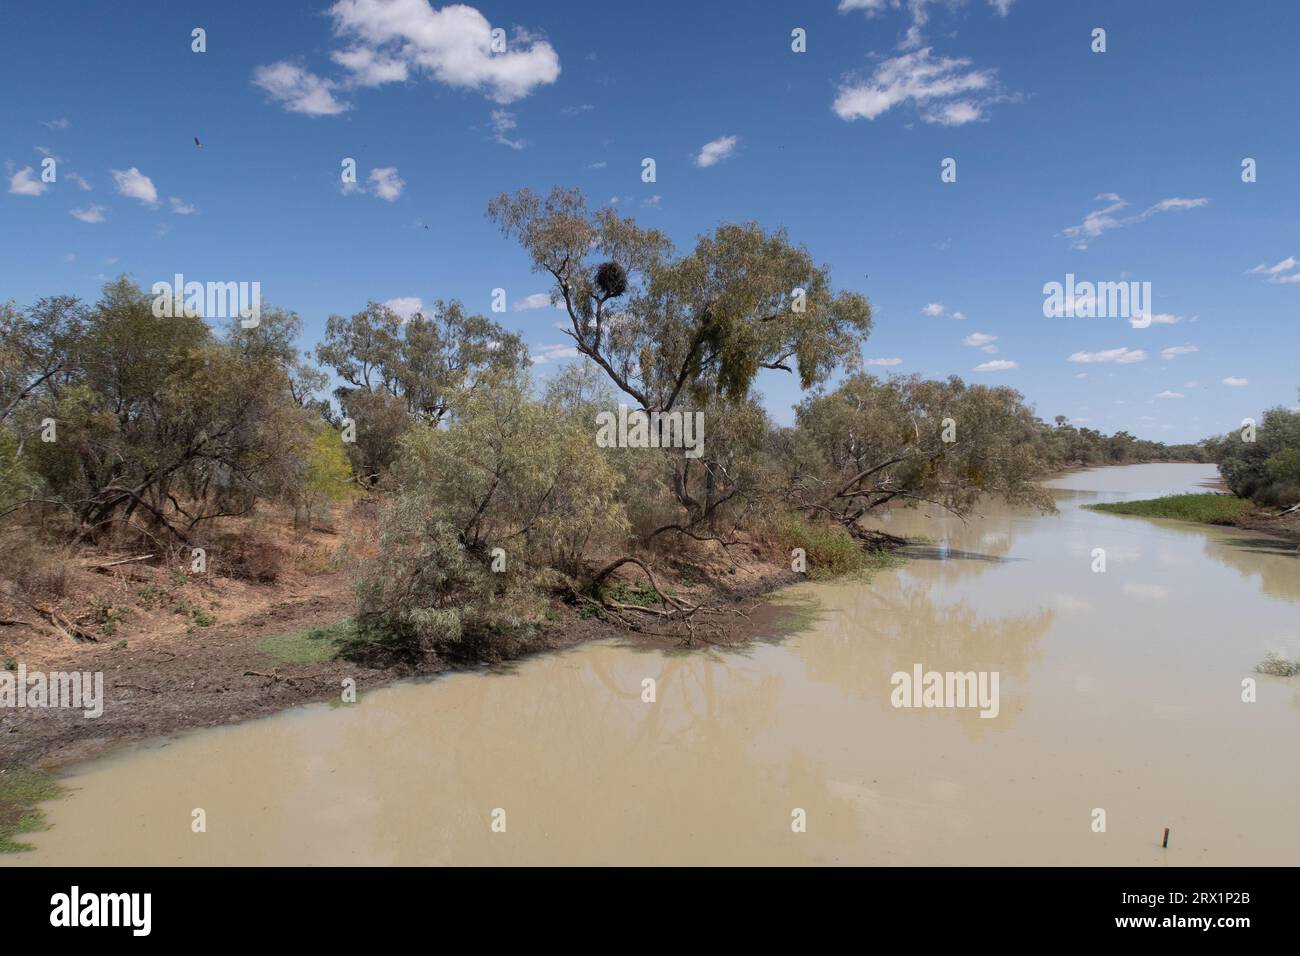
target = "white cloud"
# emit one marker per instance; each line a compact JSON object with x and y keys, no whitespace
{"x":978,"y":339}
{"x":1236,"y":382}
{"x":1275,"y":271}
{"x":943,"y":89}
{"x":369,"y":68}
{"x":385,"y":183}
{"x":958,"y":316}
{"x":599,"y":164}
{"x":298,"y":90}
{"x":917,"y":10}
{"x":652,"y":201}
{"x":883,"y":361}
{"x":25,"y":183}
{"x":56,"y":123}
{"x":553,"y":353}
{"x":1171,"y":395}
{"x":406,"y":306}
{"x":1122,"y":356}
{"x":997,"y":365}
{"x":538,"y":300}
{"x":1176,"y":350}
{"x":715,"y":151}
{"x":934,"y":308}
{"x":136,"y":185}
{"x":1159,"y":318}
{"x":502,"y":122}
{"x":91,"y":213}
{"x":1105,"y":219}
{"x":1286,"y":265}
{"x":391,"y":39}
{"x":181,"y":207}
{"x":79,"y":180}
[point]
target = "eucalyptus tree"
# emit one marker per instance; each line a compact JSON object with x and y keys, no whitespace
{"x":673,"y":330}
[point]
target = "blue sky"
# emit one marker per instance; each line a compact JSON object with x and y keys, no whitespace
{"x":1122,"y":165}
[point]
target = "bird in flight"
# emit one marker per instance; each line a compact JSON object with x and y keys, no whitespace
{"x":197,"y":143}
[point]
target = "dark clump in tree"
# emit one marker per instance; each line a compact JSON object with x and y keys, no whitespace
{"x":611,"y":280}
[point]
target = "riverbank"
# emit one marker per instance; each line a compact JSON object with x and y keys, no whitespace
{"x":235,"y":651}
{"x":1214,"y":509}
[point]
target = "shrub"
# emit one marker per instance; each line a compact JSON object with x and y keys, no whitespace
{"x":829,"y":548}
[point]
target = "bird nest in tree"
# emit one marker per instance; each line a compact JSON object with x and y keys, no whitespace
{"x":611,"y":279}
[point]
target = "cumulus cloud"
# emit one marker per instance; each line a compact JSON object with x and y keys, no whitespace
{"x":391,"y":40}
{"x":1176,"y":350}
{"x":715,"y":151}
{"x":1122,"y":356}
{"x":406,"y":306}
{"x":1171,"y":395}
{"x":979,"y":339}
{"x":553,"y":353}
{"x":1106,"y":218}
{"x":945,"y":90}
{"x":181,"y":207}
{"x":385,"y":183}
{"x":1236,"y":382}
{"x":91,"y":213}
{"x":26,"y":183}
{"x":135,"y":185}
{"x":299,"y":90}
{"x":934,"y":308}
{"x":997,"y":365}
{"x":538,"y":300}
{"x":883,"y":361}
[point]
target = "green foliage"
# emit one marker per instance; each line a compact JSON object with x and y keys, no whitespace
{"x":1205,"y":508}
{"x":1266,"y":470}
{"x":829,"y":549}
{"x":642,"y":595}
{"x":519,"y":474}
{"x":425,"y":596}
{"x":157,"y":417}
{"x":400,"y":371}
{"x":699,"y":325}
{"x":908,"y":440}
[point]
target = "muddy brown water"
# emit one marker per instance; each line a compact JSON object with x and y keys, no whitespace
{"x":1119,"y":691}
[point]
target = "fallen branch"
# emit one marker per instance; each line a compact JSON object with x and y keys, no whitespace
{"x":69,"y":629}
{"x":112,"y":564}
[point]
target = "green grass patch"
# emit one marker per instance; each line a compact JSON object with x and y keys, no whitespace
{"x":1205,"y":508}
{"x":642,"y":595}
{"x":308,"y":646}
{"x":20,"y":792}
{"x":829,"y":549}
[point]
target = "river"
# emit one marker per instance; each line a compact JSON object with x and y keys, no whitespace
{"x":1119,"y":691}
